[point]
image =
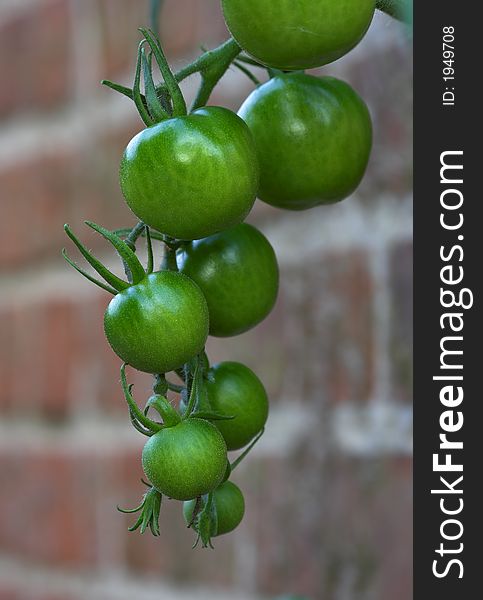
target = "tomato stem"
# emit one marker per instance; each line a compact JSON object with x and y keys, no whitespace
{"x":236,"y":462}
{"x":168,"y":262}
{"x":174,"y":387}
{"x":155,"y":7}
{"x":163,"y":407}
{"x":241,"y":67}
{"x":137,"y":232}
{"x":150,"y":265}
{"x":132,"y":234}
{"x":212,"y":65}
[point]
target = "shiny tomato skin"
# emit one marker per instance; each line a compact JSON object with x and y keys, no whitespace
{"x":234,"y":390}
{"x":230,"y":508}
{"x":185,"y":461}
{"x":191,"y":176}
{"x":313,"y":137}
{"x":237,"y":272}
{"x":158,"y":324}
{"x":302,"y":34}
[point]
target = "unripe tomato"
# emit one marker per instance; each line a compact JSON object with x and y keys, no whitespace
{"x":158,"y":324}
{"x":237,"y":272}
{"x":301,"y":34}
{"x":186,"y":460}
{"x":313,"y":137}
{"x":230,"y":508}
{"x":191,"y":176}
{"x":234,"y":390}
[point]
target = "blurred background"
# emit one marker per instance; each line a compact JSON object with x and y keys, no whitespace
{"x":328,"y":489}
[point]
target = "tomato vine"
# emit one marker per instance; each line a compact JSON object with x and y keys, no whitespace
{"x":191,"y":177}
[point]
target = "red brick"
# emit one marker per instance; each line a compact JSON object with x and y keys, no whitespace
{"x":8,"y":592}
{"x":47,"y":505}
{"x":383,"y":79}
{"x":322,"y":525}
{"x":55,"y":357}
{"x":58,"y":509}
{"x":318,"y":342}
{"x":31,"y":225}
{"x":184,"y":26}
{"x":34,"y":55}
{"x":61,"y":350}
{"x":58,"y":188}
{"x":26,"y":592}
{"x":27,"y":350}
{"x":6,"y":359}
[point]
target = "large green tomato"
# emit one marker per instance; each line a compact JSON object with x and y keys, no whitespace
{"x":313,"y":137}
{"x":158,"y":324}
{"x":191,"y":176}
{"x":186,"y":460}
{"x":233,"y":389}
{"x":230,"y":508}
{"x":298,"y":34}
{"x":237,"y":272}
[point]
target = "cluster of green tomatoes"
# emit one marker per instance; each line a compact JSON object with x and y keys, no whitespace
{"x":191,"y":178}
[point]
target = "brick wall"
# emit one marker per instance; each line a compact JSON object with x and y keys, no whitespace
{"x":329,"y":488}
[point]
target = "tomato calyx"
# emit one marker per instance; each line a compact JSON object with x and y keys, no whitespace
{"x":135,"y":272}
{"x":204,"y":520}
{"x":149,"y":512}
{"x":211,"y":65}
{"x":139,"y":418}
{"x":197,"y":405}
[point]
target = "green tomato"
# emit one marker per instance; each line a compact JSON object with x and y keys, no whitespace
{"x":290,"y":35}
{"x":191,"y":176}
{"x":230,"y":508}
{"x":158,"y":324}
{"x":237,"y":272}
{"x":186,"y":460}
{"x":313,"y":138}
{"x":234,"y":390}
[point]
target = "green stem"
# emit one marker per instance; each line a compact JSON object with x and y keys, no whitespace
{"x":125,"y":232}
{"x":218,"y":65}
{"x":225,"y":53}
{"x":150,"y":265}
{"x":168,"y":262}
{"x":246,"y":71}
{"x":133,"y":235}
{"x":236,"y":462}
{"x":154,"y":13}
{"x":174,"y":387}
{"x":169,"y":415}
